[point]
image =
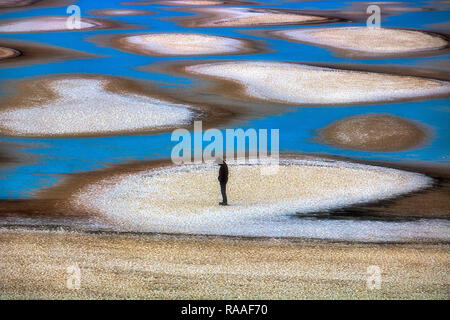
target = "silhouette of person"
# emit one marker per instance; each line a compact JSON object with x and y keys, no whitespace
{"x":223,"y":179}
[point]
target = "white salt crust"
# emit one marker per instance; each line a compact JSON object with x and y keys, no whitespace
{"x":301,"y":84}
{"x":191,"y":3}
{"x":41,"y":24}
{"x":83,"y":106}
{"x":183,"y":44}
{"x":368,"y":40}
{"x":184,"y":199}
{"x":121,"y":12}
{"x":240,"y":16}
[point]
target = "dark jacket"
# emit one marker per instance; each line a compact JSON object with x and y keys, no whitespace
{"x":223,"y":173}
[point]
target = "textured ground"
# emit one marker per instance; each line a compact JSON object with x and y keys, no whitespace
{"x":367,"y":40}
{"x":244,"y":17}
{"x":182,"y":44}
{"x":306,"y":85}
{"x":7,"y":53}
{"x":34,"y":265}
{"x":87,"y":105}
{"x":374,"y":132}
{"x":121,"y":12}
{"x":184,"y":199}
{"x":54,"y":24}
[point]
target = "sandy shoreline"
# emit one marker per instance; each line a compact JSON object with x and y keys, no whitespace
{"x":34,"y":266}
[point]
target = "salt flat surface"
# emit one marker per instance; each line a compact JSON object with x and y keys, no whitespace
{"x":240,"y":16}
{"x":34,"y":24}
{"x":121,"y":12}
{"x":182,"y":44}
{"x":83,"y":106}
{"x":184,"y":199}
{"x":191,"y":2}
{"x":370,"y":40}
{"x":301,"y":84}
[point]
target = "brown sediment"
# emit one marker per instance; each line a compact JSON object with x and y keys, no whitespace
{"x":192,"y":2}
{"x":37,"y":92}
{"x":17,"y":3}
{"x":10,"y":154}
{"x":189,"y":2}
{"x":5,"y":158}
{"x":394,"y":7}
{"x":401,"y":7}
{"x":374,"y":132}
{"x":177,"y":47}
{"x":202,"y":92}
{"x":252,"y":17}
{"x":441,"y":3}
{"x":121,"y":266}
{"x":438,"y":66}
{"x":42,"y":24}
{"x":359,"y":46}
{"x":405,"y":9}
{"x":6,"y":53}
{"x":121,"y":12}
{"x":12,"y":5}
{"x":242,"y":86}
{"x":433,"y":202}
{"x":441,"y":26}
{"x":52,"y":204}
{"x":35,"y":53}
{"x":433,"y":69}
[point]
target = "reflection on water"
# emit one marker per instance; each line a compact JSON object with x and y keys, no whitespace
{"x":53,"y":158}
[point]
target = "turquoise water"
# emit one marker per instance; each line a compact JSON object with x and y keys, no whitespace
{"x":52,"y":159}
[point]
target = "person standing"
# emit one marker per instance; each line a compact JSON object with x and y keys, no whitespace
{"x":223,"y":179}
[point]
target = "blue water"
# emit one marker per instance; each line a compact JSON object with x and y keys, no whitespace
{"x":52,"y":159}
